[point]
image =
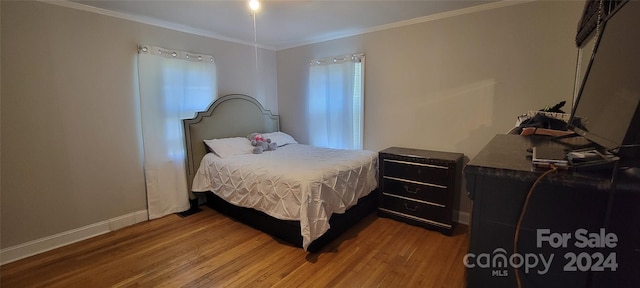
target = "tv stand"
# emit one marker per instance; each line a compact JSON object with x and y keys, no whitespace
{"x":498,"y":179}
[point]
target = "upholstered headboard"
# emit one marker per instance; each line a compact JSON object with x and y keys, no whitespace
{"x":232,"y":115}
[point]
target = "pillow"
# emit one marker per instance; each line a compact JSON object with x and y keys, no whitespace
{"x":280,"y":138}
{"x":226,"y":147}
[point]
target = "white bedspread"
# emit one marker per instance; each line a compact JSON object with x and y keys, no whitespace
{"x":295,"y":182}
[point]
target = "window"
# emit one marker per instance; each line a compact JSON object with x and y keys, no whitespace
{"x":173,"y":86}
{"x":187,"y":88}
{"x":335,"y":102}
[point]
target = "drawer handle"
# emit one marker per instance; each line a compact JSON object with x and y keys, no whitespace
{"x":406,"y":188}
{"x":410,"y":208}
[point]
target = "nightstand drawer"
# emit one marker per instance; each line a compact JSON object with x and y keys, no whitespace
{"x":415,"y":189}
{"x":421,"y":209}
{"x":426,"y":173}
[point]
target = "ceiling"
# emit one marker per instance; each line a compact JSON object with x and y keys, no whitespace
{"x":280,"y":24}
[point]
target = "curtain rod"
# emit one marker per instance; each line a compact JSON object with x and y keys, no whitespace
{"x":169,"y":53}
{"x":338,"y":59}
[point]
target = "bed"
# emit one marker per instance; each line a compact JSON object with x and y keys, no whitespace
{"x":297,"y":193}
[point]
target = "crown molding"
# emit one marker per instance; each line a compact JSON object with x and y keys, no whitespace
{"x":434,"y":17}
{"x":152,"y":22}
{"x":210,"y":34}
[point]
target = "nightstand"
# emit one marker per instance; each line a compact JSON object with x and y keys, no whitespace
{"x":420,"y":187}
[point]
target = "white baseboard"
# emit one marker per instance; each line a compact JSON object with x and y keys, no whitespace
{"x":463,"y":217}
{"x":38,"y":246}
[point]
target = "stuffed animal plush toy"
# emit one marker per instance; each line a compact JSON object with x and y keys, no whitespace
{"x":261,"y":144}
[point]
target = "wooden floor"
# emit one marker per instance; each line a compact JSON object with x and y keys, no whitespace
{"x":208,"y":249}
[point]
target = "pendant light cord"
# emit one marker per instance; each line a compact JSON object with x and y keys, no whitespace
{"x":255,"y":41}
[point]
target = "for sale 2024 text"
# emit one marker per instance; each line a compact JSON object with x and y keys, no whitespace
{"x":582,"y":238}
{"x":600,"y":258}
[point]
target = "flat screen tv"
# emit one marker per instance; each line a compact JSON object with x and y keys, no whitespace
{"x":607,"y":108}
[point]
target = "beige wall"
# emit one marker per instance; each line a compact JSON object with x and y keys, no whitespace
{"x":71,"y":150}
{"x":71,"y":144}
{"x":449,"y":84}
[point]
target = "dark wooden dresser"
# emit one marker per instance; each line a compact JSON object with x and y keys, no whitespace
{"x":569,"y":217}
{"x":420,"y":187}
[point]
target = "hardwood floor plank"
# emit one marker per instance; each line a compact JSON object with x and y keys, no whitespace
{"x":208,"y":249}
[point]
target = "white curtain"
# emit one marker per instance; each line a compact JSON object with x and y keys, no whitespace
{"x":335,"y":102}
{"x":174,"y":85}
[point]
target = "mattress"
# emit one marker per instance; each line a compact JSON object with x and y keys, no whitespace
{"x":295,"y":182}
